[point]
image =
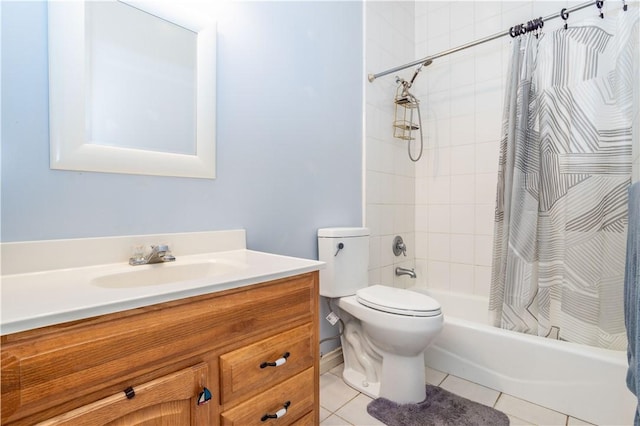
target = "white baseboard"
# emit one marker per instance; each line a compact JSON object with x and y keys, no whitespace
{"x":330,"y":360}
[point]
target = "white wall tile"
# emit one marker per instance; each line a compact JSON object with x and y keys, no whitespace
{"x":462,"y":278}
{"x":462,"y":189}
{"x":462,"y":15}
{"x":482,"y":280}
{"x":486,"y":158}
{"x":463,"y":159}
{"x":483,"y":250}
{"x":439,"y":247}
{"x":463,"y":76}
{"x":439,"y":276}
{"x":488,"y":26}
{"x":463,"y":216}
{"x":439,"y":218}
{"x":439,"y":190}
{"x":463,"y":129}
{"x":486,"y":186}
{"x":438,"y":23}
{"x":374,"y":251}
{"x":462,"y":249}
{"x":421,"y":218}
{"x":484,"y":219}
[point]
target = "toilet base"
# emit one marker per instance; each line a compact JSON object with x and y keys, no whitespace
{"x":359,"y":382}
{"x":402,"y":379}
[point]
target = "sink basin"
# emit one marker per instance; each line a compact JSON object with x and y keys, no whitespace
{"x":164,"y":273}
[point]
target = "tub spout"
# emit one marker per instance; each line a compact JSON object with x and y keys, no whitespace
{"x":405,"y":271}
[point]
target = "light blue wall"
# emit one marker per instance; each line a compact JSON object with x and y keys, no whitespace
{"x":289,"y":136}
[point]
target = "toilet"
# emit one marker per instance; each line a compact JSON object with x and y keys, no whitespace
{"x":386,"y":329}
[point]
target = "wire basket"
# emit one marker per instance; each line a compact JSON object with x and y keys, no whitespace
{"x":403,"y":124}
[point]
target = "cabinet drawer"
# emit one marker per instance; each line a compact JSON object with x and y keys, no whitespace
{"x":171,"y":399}
{"x":298,"y":391}
{"x":243,"y":372}
{"x":306,"y":420}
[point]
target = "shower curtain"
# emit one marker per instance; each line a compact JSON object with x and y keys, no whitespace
{"x":564,"y":171}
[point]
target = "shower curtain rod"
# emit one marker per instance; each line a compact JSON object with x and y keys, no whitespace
{"x":372,"y":77}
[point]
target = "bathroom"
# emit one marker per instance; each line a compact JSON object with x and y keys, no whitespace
{"x":303,"y":140}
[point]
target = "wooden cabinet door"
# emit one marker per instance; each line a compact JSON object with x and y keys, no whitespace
{"x":167,"y":401}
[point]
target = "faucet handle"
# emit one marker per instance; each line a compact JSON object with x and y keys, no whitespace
{"x":137,"y":255}
{"x":398,"y":246}
{"x":160,"y":248}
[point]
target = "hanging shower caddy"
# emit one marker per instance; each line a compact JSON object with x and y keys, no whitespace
{"x":403,"y":123}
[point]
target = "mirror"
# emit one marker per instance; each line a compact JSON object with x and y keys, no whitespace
{"x":132,"y":88}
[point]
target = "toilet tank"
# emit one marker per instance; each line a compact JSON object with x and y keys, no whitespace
{"x":346,"y":254}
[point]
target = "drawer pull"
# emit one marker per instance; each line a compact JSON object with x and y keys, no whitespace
{"x":278,"y":362}
{"x":280,"y":413}
{"x":129,"y":392}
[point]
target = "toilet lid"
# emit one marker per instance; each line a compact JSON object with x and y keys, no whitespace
{"x":398,"y":301}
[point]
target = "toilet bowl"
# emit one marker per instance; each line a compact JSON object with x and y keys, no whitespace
{"x":386,"y":329}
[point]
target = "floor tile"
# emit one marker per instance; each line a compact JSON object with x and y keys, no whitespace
{"x":514,"y":421}
{"x":433,"y":376}
{"x":337,"y":370}
{"x":355,"y":412}
{"x":324,"y":413}
{"x":470,"y":390}
{"x":530,"y":412}
{"x":334,"y":420}
{"x":334,"y":392}
{"x":577,"y":422}
{"x":342,"y":405}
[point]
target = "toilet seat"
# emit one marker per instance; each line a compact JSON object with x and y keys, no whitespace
{"x":398,"y":301}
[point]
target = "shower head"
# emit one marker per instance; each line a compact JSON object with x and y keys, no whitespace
{"x":415,"y":74}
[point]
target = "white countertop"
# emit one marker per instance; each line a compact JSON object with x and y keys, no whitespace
{"x":41,"y":298}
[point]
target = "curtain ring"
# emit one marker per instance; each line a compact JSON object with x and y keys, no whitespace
{"x":599,"y":4}
{"x":564,"y":15}
{"x":624,"y":5}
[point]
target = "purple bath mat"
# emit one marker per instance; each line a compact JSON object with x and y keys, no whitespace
{"x":440,"y":408}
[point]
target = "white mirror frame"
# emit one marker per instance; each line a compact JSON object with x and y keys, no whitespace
{"x":67,"y":81}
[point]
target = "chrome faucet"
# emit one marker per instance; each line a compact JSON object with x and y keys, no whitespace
{"x":159,"y":254}
{"x":404,"y":271}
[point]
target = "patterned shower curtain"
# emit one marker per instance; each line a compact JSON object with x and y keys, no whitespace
{"x":564,"y":170}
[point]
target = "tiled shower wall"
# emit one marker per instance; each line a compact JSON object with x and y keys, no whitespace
{"x":390,"y":175}
{"x":442,"y":205}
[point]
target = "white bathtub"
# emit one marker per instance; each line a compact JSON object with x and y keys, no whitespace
{"x":585,"y":382}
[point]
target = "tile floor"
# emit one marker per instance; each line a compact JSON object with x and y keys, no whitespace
{"x":340,"y":405}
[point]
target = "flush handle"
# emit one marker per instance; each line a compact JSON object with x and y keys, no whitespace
{"x":277,"y":363}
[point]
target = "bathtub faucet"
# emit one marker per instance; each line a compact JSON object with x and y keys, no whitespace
{"x":159,"y":254}
{"x":405,"y":271}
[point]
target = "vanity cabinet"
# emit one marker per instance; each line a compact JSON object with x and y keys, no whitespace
{"x":254,"y":348}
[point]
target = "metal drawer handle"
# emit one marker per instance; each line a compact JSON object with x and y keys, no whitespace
{"x":129,"y":392}
{"x":278,"y":362}
{"x":280,"y":413}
